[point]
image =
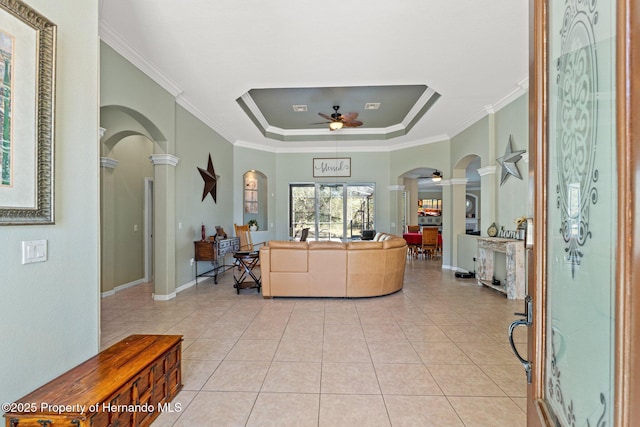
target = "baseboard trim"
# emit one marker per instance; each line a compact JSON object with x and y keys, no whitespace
{"x":167,"y":297}
{"x":122,"y":287}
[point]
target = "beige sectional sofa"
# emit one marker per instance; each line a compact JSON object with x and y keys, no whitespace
{"x":333,"y":269}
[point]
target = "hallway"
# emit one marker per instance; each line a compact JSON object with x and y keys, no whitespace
{"x":434,"y":354}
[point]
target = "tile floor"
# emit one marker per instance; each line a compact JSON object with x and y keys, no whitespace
{"x":434,"y":354}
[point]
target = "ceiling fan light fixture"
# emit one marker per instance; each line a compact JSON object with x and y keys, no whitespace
{"x":436,"y":176}
{"x":335,"y":125}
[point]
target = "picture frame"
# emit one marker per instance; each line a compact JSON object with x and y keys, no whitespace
{"x":332,"y":167}
{"x":27,"y":80}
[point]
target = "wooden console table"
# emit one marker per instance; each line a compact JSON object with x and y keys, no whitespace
{"x":514,"y":285}
{"x":128,"y":384}
{"x":214,"y":251}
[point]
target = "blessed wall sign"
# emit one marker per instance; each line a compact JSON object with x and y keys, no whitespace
{"x":332,"y":167}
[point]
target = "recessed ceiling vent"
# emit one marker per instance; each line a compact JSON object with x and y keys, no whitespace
{"x":372,"y":106}
{"x":299,"y":108}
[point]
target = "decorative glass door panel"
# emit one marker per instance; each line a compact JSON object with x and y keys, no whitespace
{"x":581,"y":212}
{"x":360,"y":209}
{"x":330,"y":211}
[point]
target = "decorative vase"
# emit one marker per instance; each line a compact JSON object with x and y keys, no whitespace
{"x":204,"y":234}
{"x":253,"y":228}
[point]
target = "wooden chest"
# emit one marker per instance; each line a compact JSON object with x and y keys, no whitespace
{"x":128,"y":384}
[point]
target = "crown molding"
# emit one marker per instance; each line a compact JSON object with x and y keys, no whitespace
{"x":110,"y":37}
{"x":216,"y":127}
{"x":522,"y":86}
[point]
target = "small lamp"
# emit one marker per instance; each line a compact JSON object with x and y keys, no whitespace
{"x":335,"y":125}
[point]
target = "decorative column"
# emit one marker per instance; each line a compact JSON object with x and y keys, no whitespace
{"x":107,"y":225}
{"x":395,"y":199}
{"x":453,"y":198}
{"x":164,"y":216}
{"x":488,"y":191}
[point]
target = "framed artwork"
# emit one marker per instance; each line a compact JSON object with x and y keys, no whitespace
{"x":27,"y":89}
{"x":250,"y":208}
{"x":333,"y":167}
{"x":251,"y":184}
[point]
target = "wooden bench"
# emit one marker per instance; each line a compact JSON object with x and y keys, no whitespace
{"x":128,"y":384}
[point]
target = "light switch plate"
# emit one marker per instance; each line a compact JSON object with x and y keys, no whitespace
{"x":34,"y":251}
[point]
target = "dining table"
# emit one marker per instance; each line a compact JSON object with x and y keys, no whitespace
{"x":414,"y":241}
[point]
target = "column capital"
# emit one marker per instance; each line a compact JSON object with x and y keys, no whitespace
{"x":108,"y":163}
{"x":453,"y":181}
{"x":396,"y":188}
{"x":164,"y":159}
{"x":488,"y":170}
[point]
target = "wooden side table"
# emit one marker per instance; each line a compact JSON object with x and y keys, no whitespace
{"x":214,"y":251}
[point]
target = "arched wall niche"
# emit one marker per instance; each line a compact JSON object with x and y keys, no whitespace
{"x":255,"y":199}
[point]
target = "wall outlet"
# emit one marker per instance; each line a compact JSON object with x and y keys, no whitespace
{"x":192,"y":261}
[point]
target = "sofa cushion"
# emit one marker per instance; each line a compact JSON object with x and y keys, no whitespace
{"x":327,"y":269}
{"x":363,"y":245}
{"x":287,"y":244}
{"x":286,"y":256}
{"x":325,"y":244}
{"x":396,"y":242}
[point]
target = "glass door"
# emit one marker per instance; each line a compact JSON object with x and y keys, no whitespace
{"x":330,"y":211}
{"x":573,"y":277}
{"x":336,"y":211}
{"x":360,"y":210}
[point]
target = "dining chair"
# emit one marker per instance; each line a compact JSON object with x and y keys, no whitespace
{"x":244,"y":234}
{"x":413,"y":228}
{"x":304,"y":234}
{"x":429,"y":241}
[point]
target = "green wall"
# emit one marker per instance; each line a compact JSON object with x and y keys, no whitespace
{"x":50,"y":317}
{"x":194,"y":143}
{"x":191,"y":141}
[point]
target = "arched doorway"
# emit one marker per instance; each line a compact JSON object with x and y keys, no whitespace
{"x":126,"y":186}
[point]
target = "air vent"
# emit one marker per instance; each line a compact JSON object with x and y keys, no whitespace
{"x":299,"y":108}
{"x":372,"y":106}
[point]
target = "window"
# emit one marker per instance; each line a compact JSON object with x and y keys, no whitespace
{"x":336,"y":211}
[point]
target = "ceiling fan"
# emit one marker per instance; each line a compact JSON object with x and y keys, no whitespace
{"x":436,"y":176}
{"x":337,"y":120}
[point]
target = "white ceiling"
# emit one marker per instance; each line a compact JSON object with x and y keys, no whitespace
{"x":209,"y":53}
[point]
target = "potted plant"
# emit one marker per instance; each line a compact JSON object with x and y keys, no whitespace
{"x":253,"y":224}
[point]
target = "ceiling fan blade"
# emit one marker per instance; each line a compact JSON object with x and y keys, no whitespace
{"x":319,"y":123}
{"x":350,"y":116}
{"x":352,"y":123}
{"x":326,"y":117}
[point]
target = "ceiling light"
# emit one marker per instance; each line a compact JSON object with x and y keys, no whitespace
{"x":335,"y":125}
{"x":436,"y":176}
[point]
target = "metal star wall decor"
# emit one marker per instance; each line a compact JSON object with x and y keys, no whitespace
{"x":508,"y":162}
{"x":210,"y":180}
